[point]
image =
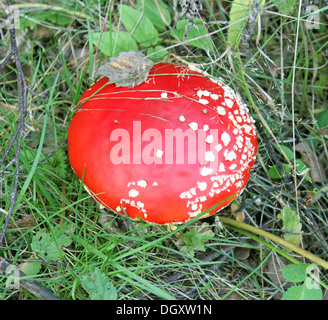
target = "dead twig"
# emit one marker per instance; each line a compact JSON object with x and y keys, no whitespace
{"x":31,"y":286}
{"x":19,"y":134}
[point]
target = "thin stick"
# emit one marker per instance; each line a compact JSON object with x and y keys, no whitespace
{"x":31,"y":286}
{"x":293,"y":104}
{"x":19,"y":133}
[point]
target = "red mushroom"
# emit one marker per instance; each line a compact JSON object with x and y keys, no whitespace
{"x":166,"y":150}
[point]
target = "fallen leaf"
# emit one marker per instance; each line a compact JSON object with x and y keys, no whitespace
{"x":129,"y":69}
{"x":238,"y":216}
{"x":273,"y":267}
{"x":309,"y":157}
{"x":26,"y":222}
{"x":309,"y":197}
{"x":242,"y":253}
{"x":291,"y":225}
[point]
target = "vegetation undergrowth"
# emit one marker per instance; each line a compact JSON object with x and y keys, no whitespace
{"x":271,"y":243}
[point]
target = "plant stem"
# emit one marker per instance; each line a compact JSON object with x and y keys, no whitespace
{"x":265,"y":243}
{"x":276,"y":239}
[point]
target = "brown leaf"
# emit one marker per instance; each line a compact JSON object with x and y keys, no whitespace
{"x":309,"y":157}
{"x":26,"y":222}
{"x":129,"y":69}
{"x":242,"y":253}
{"x":309,"y":197}
{"x":273,"y":267}
{"x":238,"y":216}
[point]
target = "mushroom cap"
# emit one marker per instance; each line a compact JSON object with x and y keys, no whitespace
{"x":164,"y":151}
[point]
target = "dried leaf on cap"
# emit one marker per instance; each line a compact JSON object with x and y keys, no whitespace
{"x":129,"y":69}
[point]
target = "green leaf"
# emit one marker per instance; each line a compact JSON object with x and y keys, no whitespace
{"x":295,"y":272}
{"x":195,"y":239}
{"x":188,"y":249}
{"x":30,"y":268}
{"x":323,"y":117}
{"x":302,"y":292}
{"x":25,"y":22}
{"x":289,"y":153}
{"x":99,"y":286}
{"x":274,"y":172}
{"x":286,"y":6}
{"x":59,"y":18}
{"x":322,"y":82}
{"x":143,"y":31}
{"x":49,"y":245}
{"x":239,"y":10}
{"x":157,"y":56}
{"x":158,"y":15}
{"x":112,"y":43}
{"x":197,"y":30}
{"x":308,"y":290}
{"x":292,"y":224}
{"x":302,"y":169}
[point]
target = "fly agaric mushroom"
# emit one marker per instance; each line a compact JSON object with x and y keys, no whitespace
{"x":166,"y":150}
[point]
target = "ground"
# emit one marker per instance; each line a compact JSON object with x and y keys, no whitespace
{"x":273,"y":54}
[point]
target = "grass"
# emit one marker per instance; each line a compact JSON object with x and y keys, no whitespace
{"x":139,"y":261}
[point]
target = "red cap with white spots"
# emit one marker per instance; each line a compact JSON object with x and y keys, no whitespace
{"x":166,"y":150}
